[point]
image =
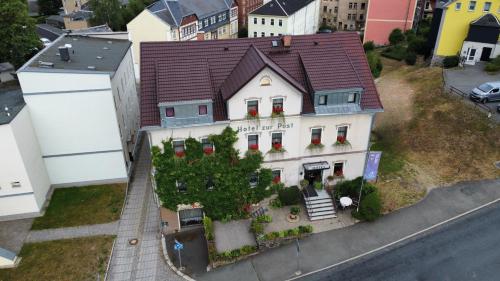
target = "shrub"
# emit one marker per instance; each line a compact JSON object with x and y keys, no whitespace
{"x":375,"y":63}
{"x":411,"y":58}
{"x":450,"y":61}
{"x":370,"y":207}
{"x":289,"y":196}
{"x":275,"y":203}
{"x":410,"y":35}
{"x":256,"y":228}
{"x":292,"y":232}
{"x":318,"y":185}
{"x":369,"y":46}
{"x":305,"y":229}
{"x":294,"y":210}
{"x":350,"y":188}
{"x":493,"y":65}
{"x":418,"y":45}
{"x":247,"y":249}
{"x":395,"y":53}
{"x":209,"y":228}
{"x":396,"y":37}
{"x":264,"y":219}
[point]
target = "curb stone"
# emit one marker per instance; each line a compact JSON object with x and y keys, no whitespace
{"x":169,"y":262}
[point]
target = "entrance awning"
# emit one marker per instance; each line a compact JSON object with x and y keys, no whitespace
{"x":323,"y":165}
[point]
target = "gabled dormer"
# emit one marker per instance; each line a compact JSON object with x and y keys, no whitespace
{"x":337,"y":101}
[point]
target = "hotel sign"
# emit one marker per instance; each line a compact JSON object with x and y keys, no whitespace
{"x":258,"y":127}
{"x":316,"y":166}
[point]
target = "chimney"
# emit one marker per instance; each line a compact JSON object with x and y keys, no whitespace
{"x":64,"y":53}
{"x":287,"y":40}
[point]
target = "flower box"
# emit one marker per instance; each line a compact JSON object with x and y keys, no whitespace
{"x":315,"y":143}
{"x":252,"y":114}
{"x":208,"y":150}
{"x":276,"y":179}
{"x":254,"y":147}
{"x":341,"y":140}
{"x":180,"y":154}
{"x":277,"y":148}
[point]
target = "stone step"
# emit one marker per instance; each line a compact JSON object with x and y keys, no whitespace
{"x":322,"y":213}
{"x":320,"y":209}
{"x":326,"y":200}
{"x":319,"y":206}
{"x":323,"y":217}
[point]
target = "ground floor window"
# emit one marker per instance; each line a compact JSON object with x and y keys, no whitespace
{"x":207,"y":146}
{"x":191,"y":216}
{"x":253,"y":142}
{"x":179,"y":148}
{"x":181,"y":186}
{"x":338,"y":169}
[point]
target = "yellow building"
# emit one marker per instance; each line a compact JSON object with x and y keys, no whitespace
{"x":456,"y":19}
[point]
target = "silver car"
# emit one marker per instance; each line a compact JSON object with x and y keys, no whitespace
{"x":488,"y":91}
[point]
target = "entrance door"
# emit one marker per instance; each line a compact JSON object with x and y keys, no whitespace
{"x":471,"y":54}
{"x":313,"y":176}
{"x":485,"y":55}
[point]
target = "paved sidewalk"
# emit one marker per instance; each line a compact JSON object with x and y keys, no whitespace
{"x":327,"y":248}
{"x":72,"y":232}
{"x":140,"y":220}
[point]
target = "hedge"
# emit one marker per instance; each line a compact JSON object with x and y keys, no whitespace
{"x":450,"y":61}
{"x":395,"y":52}
{"x":493,"y":65}
{"x":289,"y":196}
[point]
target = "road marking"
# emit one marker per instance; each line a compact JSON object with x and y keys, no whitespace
{"x":397,"y":241}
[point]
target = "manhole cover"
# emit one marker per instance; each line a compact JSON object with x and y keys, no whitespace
{"x":133,"y":242}
{"x":497,"y":164}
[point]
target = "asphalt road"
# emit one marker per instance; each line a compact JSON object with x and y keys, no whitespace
{"x":466,"y":249}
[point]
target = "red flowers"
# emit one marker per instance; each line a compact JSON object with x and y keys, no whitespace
{"x":316,"y":141}
{"x":252,"y":112}
{"x":277,"y":109}
{"x":341,"y":139}
{"x":180,"y":154}
{"x":277,"y":146}
{"x":208,"y":150}
{"x":254,"y":147}
{"x":277,"y":179}
{"x":339,"y":173}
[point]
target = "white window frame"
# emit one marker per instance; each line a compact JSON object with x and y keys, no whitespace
{"x":281,"y":173}
{"x":484,"y":7}
{"x":458,"y":6}
{"x":470,"y":3}
{"x":353,"y":94}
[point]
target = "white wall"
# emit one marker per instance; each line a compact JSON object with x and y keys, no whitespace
{"x":74,"y":123}
{"x":21,"y":162}
{"x":479,"y":50}
{"x":304,"y":21}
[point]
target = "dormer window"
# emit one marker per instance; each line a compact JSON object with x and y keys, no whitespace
{"x":265,"y":81}
{"x":323,"y":99}
{"x":169,"y":112}
{"x":351,"y":98}
{"x":202,"y":110}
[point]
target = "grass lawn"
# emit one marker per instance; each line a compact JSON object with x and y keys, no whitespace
{"x":71,"y":259}
{"x":82,"y":205}
{"x":427,"y":137}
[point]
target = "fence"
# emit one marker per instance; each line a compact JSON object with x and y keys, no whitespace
{"x":481,"y":106}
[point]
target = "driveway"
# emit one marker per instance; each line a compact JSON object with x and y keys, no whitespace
{"x":469,"y":77}
{"x":463,"y":250}
{"x":194,"y":255}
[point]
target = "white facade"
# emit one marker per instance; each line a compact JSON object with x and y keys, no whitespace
{"x":85,"y":122}
{"x":24,"y":182}
{"x":303,"y":21}
{"x":294,"y":127}
{"x":473,"y":51}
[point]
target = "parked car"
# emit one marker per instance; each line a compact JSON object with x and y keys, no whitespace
{"x":488,"y":91}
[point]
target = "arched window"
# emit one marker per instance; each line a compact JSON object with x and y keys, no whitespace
{"x":265,"y":81}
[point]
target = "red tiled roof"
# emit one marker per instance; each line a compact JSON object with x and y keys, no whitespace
{"x":172,"y":71}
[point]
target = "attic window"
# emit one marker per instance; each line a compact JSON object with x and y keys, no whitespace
{"x":265,"y":81}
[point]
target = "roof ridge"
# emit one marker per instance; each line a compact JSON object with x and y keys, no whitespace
{"x":170,"y":11}
{"x":281,"y":7}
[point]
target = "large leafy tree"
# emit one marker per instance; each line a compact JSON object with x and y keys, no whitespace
{"x":228,"y":172}
{"x":107,"y":12}
{"x":18,"y":38}
{"x":49,"y":7}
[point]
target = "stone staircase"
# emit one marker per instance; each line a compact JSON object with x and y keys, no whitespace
{"x":320,"y":207}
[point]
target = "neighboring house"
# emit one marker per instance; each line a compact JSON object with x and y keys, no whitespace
{"x":344,"y":14}
{"x":321,"y":83}
{"x":6,"y":71}
{"x":56,"y":20}
{"x":48,"y":31}
{"x":465,"y":28}
{"x":78,"y":17}
{"x":383,"y":16}
{"x":244,"y":8}
{"x":181,"y":20}
{"x":279,"y":17}
{"x":84,"y":107}
{"x":24,"y":182}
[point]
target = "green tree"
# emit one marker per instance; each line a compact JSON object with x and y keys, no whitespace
{"x":375,"y":63}
{"x":49,"y":7}
{"x":133,"y":8}
{"x":107,"y":12}
{"x":396,"y":36}
{"x":224,"y":169}
{"x":17,"y":32}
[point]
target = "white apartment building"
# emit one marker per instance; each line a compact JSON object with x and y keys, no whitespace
{"x":296,"y":93}
{"x":83,"y":102}
{"x":284,"y":17}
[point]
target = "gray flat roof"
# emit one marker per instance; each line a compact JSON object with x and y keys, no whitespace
{"x":12,"y":99}
{"x":104,"y":55}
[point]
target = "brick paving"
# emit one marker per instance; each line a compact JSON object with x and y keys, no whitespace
{"x":140,"y":219}
{"x":72,"y":232}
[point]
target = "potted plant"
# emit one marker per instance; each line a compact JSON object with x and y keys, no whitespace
{"x":180,"y":154}
{"x":315,"y":143}
{"x":276,"y":148}
{"x":304,"y":183}
{"x":318,"y":185}
{"x":293,"y":216}
{"x":208,"y":150}
{"x":277,"y":112}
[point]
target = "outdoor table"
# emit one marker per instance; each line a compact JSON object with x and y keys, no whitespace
{"x":345,"y":202}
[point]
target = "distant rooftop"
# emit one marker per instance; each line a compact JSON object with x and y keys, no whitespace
{"x":86,"y":54}
{"x":12,"y":99}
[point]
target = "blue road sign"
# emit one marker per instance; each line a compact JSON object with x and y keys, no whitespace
{"x":178,"y":246}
